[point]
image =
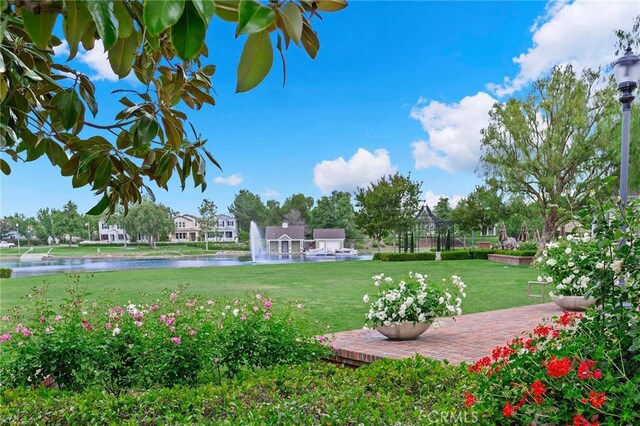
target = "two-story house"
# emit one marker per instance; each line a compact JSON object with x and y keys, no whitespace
{"x":186,"y":229}
{"x":111,"y":233}
{"x":227,"y":229}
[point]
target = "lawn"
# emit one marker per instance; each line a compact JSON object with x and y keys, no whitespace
{"x":331,"y":292}
{"x":79,"y":251}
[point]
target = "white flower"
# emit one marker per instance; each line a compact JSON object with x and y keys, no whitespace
{"x":365,"y":298}
{"x":549,"y":279}
{"x":568,"y":250}
{"x":409,"y":301}
{"x":388,"y":280}
{"x":571,"y":264}
{"x":539,"y":278}
{"x":599,"y":265}
{"x":235,"y":312}
{"x":569,"y":237}
{"x":115,"y":331}
{"x":458,"y":311}
{"x":617,"y":266}
{"x":441,"y":299}
{"x":551,"y":262}
{"x":421,"y":317}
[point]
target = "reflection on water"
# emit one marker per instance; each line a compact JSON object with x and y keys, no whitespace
{"x":60,"y":265}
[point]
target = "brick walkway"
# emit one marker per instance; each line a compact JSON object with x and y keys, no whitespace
{"x":468,"y":338}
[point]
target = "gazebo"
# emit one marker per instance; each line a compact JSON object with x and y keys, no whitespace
{"x":432,"y":231}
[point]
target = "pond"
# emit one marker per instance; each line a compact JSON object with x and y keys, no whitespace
{"x":76,"y":265}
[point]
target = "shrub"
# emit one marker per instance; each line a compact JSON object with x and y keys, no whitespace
{"x":455,"y":255}
{"x":518,"y":253}
{"x":181,"y":339}
{"x":404,"y":257}
{"x":480,"y":253}
{"x":6,"y":272}
{"x":528,"y":245}
{"x":385,"y":392}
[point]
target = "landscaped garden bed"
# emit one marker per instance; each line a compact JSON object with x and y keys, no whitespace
{"x":510,"y":259}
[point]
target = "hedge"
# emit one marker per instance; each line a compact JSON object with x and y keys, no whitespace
{"x":403,"y":257}
{"x":6,"y":272}
{"x":519,"y":253}
{"x":385,"y":392}
{"x":198,"y":244}
{"x":480,"y":253}
{"x":455,"y":255}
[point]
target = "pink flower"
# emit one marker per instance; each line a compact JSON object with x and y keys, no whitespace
{"x":107,"y":326}
{"x":300,"y":306}
{"x":267,"y":304}
{"x":267,"y":316}
{"x":243,"y":317}
{"x":258,"y":296}
{"x":255,"y":309}
{"x":48,"y":330}
{"x":154,"y":308}
{"x":117,"y":310}
{"x":210,"y":302}
{"x":5,"y":337}
{"x":88,"y":327}
{"x":320,"y":338}
{"x":190,"y":304}
{"x":217,"y":360}
{"x":57,"y":317}
{"x":42,"y":320}
{"x":138,"y":323}
{"x":27,"y":332}
{"x":173,"y":296}
{"x":6,"y":318}
{"x":192,"y":332}
{"x":163,"y":318}
{"x":176,"y":340}
{"x":170,"y":321}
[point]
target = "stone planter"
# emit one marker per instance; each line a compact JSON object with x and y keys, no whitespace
{"x":510,"y":260}
{"x":572,"y":303}
{"x":403,"y":330}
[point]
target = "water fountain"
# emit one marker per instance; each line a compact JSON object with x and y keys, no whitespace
{"x":257,"y":244}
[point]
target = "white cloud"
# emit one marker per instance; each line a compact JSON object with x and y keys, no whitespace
{"x":232,"y":180}
{"x":98,"y":61}
{"x":580,"y":33}
{"x":432,"y":199}
{"x":454,"y":132}
{"x":270,"y":194}
{"x":361,"y":169}
{"x":62,"y":49}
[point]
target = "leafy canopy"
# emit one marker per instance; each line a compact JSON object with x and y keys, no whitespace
{"x":49,"y":108}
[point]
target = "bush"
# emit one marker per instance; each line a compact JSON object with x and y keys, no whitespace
{"x":404,"y":257}
{"x":528,"y":245}
{"x":455,"y":255}
{"x":180,"y":340}
{"x":480,"y":253}
{"x":519,"y":253}
{"x":385,"y":392}
{"x":6,"y":272}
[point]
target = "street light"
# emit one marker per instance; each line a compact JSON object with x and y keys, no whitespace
{"x":627,"y":72}
{"x":18,"y":235}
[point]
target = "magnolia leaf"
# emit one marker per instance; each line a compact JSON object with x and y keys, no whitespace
{"x":160,"y":15}
{"x":206,"y":9}
{"x":331,"y":5}
{"x":39,"y":26}
{"x":187,"y":35}
{"x":105,"y":20}
{"x":4,"y":166}
{"x":68,"y":105}
{"x":100,"y":207}
{"x":227,"y":10}
{"x":310,"y":41}
{"x":75,"y":24}
{"x":292,"y":18}
{"x":253,"y":17}
{"x":147,"y":129}
{"x":103,"y":173}
{"x":125,"y":21}
{"x":122,"y":54}
{"x":255,"y":62}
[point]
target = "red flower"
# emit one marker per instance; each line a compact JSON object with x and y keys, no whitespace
{"x":584,"y":369}
{"x":597,"y":374}
{"x":542,"y":330}
{"x":579,"y":420}
{"x":558,"y":367}
{"x":538,"y":388}
{"x":596,"y":399}
{"x":568,"y":318}
{"x":508,"y":410}
{"x":469,"y":399}
{"x":482,"y":362}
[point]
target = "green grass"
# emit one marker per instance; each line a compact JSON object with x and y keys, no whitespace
{"x":62,"y":250}
{"x":331,"y":292}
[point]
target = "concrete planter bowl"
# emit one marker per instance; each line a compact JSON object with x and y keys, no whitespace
{"x":572,"y":303}
{"x":403,"y":330}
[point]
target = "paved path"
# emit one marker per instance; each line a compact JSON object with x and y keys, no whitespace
{"x":468,"y":338}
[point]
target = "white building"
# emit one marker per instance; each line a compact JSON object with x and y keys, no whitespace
{"x":188,"y":229}
{"x":111,"y":233}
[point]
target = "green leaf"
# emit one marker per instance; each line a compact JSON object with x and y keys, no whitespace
{"x":39,"y":26}
{"x":4,"y":166}
{"x":331,"y":5}
{"x":68,"y":106}
{"x":122,"y":54}
{"x":54,"y":152}
{"x":147,"y":129}
{"x":163,"y":163}
{"x":187,"y":35}
{"x":255,"y":62}
{"x":292,"y":18}
{"x":100,"y":207}
{"x":125,"y":21}
{"x":227,"y":10}
{"x":103,"y":173}
{"x":105,"y":20}
{"x":206,"y":9}
{"x":310,"y":41}
{"x":253,"y":17}
{"x":160,"y":15}
{"x":70,"y":167}
{"x":75,"y":24}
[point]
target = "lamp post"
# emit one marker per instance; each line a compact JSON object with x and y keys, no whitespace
{"x":18,"y":236}
{"x":627,"y":72}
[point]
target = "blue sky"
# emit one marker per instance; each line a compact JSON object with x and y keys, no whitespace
{"x":396,"y":86}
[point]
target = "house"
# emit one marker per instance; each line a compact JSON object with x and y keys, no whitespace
{"x":111,"y":233}
{"x":329,"y":240}
{"x":186,"y":229}
{"x":284,"y":239}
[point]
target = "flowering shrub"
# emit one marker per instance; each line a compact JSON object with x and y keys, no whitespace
{"x":178,"y":339}
{"x":414,"y":299}
{"x":568,"y":264}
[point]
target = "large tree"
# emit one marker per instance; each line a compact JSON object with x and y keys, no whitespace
{"x":247,"y":207}
{"x":68,"y":222}
{"x":208,"y":219}
{"x":389,"y":205}
{"x":335,"y":211}
{"x":479,"y":211}
{"x":301,"y":203}
{"x":49,"y":107}
{"x":554,"y":144}
{"x":150,"y":220}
